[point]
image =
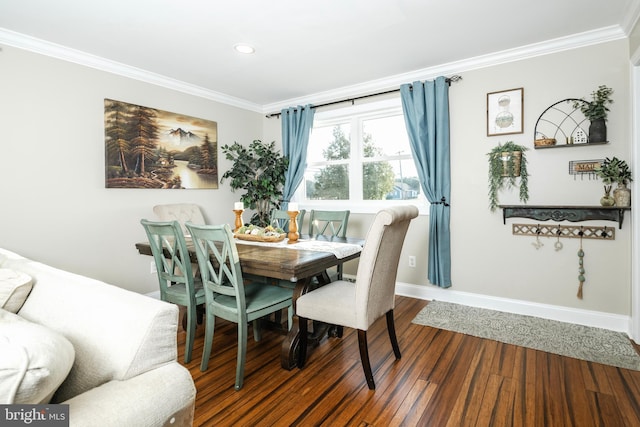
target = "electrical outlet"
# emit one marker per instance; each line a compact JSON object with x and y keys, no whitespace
{"x":412,"y":261}
{"x":152,"y":268}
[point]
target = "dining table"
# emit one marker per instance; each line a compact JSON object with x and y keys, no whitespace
{"x":303,"y":264}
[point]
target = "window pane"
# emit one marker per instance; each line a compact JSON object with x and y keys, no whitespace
{"x":390,"y":180}
{"x":327,"y":182}
{"x":385,"y":136}
{"x":329,"y":143}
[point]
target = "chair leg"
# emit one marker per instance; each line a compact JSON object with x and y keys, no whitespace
{"x":209,"y":329}
{"x":200,"y":313}
{"x":302,"y":343}
{"x":257,"y":330}
{"x":289,"y":317}
{"x":392,"y":334}
{"x":242,"y":352}
{"x":191,"y":333}
{"x":364,"y":357}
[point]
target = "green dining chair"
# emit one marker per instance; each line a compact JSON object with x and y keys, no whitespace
{"x":280,"y":218}
{"x":226,"y":294}
{"x":332,"y":224}
{"x":175,"y":274}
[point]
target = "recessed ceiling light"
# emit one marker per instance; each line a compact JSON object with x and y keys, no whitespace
{"x":244,"y":48}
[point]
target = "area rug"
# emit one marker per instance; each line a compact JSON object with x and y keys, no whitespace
{"x":566,"y":339}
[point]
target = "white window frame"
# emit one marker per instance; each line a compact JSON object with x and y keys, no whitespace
{"x":355,"y":115}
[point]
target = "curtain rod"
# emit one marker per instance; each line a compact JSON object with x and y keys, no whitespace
{"x":449,"y":80}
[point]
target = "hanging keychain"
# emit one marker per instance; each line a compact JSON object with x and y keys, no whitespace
{"x":558,"y":244}
{"x":580,"y":265}
{"x":538,"y":244}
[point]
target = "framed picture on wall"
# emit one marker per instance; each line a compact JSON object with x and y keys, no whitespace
{"x":150,"y":148}
{"x":505,"y":110}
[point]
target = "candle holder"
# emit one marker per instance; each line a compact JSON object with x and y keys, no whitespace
{"x":238,"y":213}
{"x":293,"y":227}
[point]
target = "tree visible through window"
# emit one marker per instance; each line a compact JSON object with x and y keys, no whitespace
{"x":360,"y":157}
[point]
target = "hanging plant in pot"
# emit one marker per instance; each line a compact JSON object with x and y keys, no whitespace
{"x":258,"y":169}
{"x":507,"y":163}
{"x":610,"y":171}
{"x":596,"y":111}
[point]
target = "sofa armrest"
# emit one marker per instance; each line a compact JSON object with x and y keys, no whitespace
{"x":164,"y":396}
{"x":117,"y":334}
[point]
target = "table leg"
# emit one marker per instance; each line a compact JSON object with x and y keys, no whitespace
{"x":290,"y":346}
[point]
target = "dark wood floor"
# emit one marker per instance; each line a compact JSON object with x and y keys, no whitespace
{"x":443,"y":379}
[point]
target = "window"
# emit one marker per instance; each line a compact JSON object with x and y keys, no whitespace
{"x":360,"y":155}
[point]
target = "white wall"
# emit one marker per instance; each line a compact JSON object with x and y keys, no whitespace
{"x":55,"y":207}
{"x":487,"y":260}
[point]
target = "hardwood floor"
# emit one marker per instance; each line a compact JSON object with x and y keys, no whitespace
{"x":443,"y":379}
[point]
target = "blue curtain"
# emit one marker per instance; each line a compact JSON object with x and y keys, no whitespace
{"x":426,"y":113}
{"x":296,"y":127}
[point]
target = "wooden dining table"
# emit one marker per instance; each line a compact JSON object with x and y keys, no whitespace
{"x":299,"y":267}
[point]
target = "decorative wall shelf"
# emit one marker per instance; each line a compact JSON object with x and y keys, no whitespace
{"x":563,"y":124}
{"x":564,"y":213}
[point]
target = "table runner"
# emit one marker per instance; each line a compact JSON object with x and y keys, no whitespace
{"x":340,"y":250}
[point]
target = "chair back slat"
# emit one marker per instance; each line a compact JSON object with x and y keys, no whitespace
{"x":170,"y":254}
{"x":280,"y":218}
{"x":329,"y":223}
{"x":219,"y":261}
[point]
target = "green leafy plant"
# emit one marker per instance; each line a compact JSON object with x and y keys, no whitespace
{"x":597,"y":108}
{"x":507,"y":162}
{"x":260,"y":171}
{"x":613,"y":170}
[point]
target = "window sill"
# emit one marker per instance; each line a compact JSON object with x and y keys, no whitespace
{"x":363,"y":207}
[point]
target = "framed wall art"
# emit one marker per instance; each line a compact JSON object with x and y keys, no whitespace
{"x":505,"y":110}
{"x":150,"y":148}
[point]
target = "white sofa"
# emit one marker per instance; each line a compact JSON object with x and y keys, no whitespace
{"x":125,"y":370}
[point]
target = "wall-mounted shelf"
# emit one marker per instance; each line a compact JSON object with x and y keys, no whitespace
{"x":563,"y":124}
{"x":564,"y":213}
{"x":587,"y":144}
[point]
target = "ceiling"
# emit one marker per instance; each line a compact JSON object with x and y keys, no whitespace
{"x":305,"y":50}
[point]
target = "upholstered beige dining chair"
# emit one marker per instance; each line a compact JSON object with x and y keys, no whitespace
{"x":181,"y":212}
{"x":357,"y":305}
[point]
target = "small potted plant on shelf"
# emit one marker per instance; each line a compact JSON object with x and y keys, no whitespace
{"x":258,"y":169}
{"x":610,"y":171}
{"x":507,"y":162}
{"x":596,"y":111}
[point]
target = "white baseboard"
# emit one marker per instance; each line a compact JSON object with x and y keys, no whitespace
{"x":597,"y":319}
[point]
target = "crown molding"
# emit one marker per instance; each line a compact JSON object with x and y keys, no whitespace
{"x":43,"y":47}
{"x":588,"y":38}
{"x":393,"y":82}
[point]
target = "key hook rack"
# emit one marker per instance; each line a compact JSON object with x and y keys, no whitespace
{"x":564,"y":231}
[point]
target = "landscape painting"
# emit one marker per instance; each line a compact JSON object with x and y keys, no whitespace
{"x":150,"y":148}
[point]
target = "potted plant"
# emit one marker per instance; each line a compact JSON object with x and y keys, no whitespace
{"x":610,"y":171}
{"x":596,"y":111}
{"x":259,"y":170}
{"x":507,"y":162}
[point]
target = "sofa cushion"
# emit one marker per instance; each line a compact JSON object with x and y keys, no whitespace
{"x":34,"y":361}
{"x":14,"y":289}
